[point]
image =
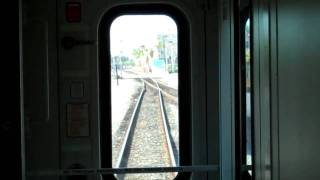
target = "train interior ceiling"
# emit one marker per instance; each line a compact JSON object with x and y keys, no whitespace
{"x":154,"y":89}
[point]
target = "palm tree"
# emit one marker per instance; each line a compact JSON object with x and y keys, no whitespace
{"x":143,"y":55}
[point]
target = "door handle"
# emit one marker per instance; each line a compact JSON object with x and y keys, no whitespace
{"x":69,"y":42}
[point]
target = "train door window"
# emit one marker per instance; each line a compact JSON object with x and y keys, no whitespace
{"x":144,"y":86}
{"x":246,"y":102}
{"x":244,"y":94}
{"x":248,"y":96}
{"x":143,"y":56}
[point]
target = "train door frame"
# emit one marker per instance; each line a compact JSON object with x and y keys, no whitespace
{"x":263,"y":86}
{"x":243,"y":13}
{"x":184,"y":94}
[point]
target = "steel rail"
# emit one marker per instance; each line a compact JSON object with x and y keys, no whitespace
{"x":165,"y":125}
{"x":162,"y":91}
{"x":164,"y":122}
{"x":133,"y":118}
{"x":130,"y":129}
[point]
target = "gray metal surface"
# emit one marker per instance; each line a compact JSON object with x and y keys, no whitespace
{"x":40,"y":83}
{"x":299,"y":87}
{"x":226,"y":94}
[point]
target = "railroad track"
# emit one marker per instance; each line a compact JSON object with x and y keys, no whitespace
{"x":148,"y":125}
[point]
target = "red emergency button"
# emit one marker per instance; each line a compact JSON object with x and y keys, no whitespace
{"x":73,"y":12}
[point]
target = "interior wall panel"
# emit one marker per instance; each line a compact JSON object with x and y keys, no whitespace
{"x":299,"y":87}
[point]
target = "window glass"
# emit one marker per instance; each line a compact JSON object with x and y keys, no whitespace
{"x":248,"y":95}
{"x":144,"y":91}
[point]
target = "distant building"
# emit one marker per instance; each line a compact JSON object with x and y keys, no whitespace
{"x":167,"y":51}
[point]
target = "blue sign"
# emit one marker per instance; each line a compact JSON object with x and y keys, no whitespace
{"x":158,"y":63}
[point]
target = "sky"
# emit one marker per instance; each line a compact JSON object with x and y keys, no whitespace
{"x":131,"y":31}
